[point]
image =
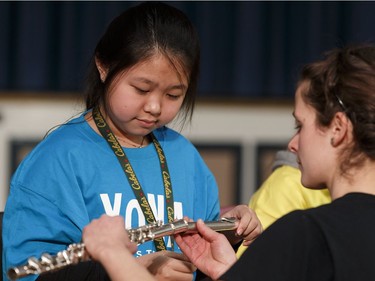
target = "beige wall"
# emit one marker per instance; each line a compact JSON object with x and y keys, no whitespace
{"x":244,"y":123}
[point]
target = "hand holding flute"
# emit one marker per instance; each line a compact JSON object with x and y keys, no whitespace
{"x":105,"y":238}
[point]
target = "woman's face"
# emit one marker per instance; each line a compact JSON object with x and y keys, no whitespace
{"x":311,"y":144}
{"x":145,"y":97}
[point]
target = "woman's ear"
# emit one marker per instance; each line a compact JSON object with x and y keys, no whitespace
{"x":341,"y":129}
{"x":102,"y":69}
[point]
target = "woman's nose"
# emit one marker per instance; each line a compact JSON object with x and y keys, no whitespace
{"x":293,"y":143}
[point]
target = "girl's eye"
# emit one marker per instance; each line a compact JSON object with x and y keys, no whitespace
{"x":142,"y":91}
{"x":173,"y":97}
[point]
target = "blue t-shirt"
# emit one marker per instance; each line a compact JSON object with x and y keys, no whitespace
{"x":73,"y":176}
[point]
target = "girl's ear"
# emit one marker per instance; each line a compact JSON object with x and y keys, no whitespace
{"x":102,"y":69}
{"x":341,"y":129}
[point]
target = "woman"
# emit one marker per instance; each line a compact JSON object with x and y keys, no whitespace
{"x":335,"y":147}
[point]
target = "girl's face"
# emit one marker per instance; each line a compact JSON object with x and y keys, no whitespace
{"x":311,"y":144}
{"x":147,"y":96}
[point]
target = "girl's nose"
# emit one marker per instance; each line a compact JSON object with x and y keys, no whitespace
{"x":153,"y":106}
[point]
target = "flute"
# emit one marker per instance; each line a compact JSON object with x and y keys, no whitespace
{"x":76,"y":253}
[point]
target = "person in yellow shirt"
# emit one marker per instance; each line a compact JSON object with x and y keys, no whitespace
{"x":282,"y":192}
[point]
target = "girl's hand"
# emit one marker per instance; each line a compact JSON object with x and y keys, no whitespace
{"x":167,"y":265}
{"x":249,"y":226}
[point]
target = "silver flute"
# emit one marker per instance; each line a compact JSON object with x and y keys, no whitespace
{"x":76,"y":253}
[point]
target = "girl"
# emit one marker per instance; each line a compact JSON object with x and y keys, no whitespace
{"x":119,"y":158}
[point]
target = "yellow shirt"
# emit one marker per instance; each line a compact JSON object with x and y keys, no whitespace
{"x":281,"y":193}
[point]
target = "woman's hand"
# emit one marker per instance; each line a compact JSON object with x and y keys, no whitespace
{"x":210,"y":251}
{"x":107,"y":242}
{"x":107,"y":234}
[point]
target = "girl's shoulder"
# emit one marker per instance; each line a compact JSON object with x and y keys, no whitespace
{"x":74,"y":134}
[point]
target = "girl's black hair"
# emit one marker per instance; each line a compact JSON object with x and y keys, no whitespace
{"x":136,"y":35}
